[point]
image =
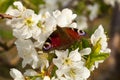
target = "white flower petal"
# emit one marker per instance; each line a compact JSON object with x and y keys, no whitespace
{"x":85,"y":73}
{"x":75,"y":55}
{"x":46,"y":78}
{"x":99,"y":35}
{"x":57,"y":62}
{"x":50,"y":23}
{"x":28,"y":13}
{"x":36,"y":32}
{"x":56,"y":13}
{"x":73,"y":25}
{"x":30,"y":72}
{"x":17,"y":75}
{"x":61,"y":21}
{"x":85,"y":51}
{"x":27,"y":52}
{"x":97,"y":63}
{"x":61,"y":54}
{"x":19,"y":5}
{"x":59,"y":72}
{"x":64,"y":18}
{"x":23,"y":33}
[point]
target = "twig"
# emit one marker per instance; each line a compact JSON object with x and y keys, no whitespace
{"x":50,"y":68}
{"x":2,"y":16}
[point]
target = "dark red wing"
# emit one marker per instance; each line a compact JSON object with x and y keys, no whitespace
{"x":56,"y":40}
{"x":62,"y":38}
{"x":72,"y":33}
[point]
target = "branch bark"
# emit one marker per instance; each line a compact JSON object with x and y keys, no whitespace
{"x":2,"y":16}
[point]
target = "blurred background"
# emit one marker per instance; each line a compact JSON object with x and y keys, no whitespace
{"x":90,"y":14}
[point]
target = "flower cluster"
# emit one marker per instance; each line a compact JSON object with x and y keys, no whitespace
{"x":73,"y":63}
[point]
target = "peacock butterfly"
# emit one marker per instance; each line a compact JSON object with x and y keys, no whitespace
{"x":62,"y":38}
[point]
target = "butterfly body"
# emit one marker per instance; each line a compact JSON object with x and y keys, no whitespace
{"x":62,"y":38}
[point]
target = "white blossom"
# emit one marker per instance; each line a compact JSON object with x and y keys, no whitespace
{"x":64,"y":18}
{"x":16,"y":74}
{"x":26,"y":25}
{"x":93,"y":11}
{"x":24,"y":22}
{"x":64,"y":60}
{"x":30,"y":72}
{"x":70,"y":65}
{"x":43,"y":60}
{"x":74,"y":73}
{"x":27,"y":52}
{"x":18,"y":11}
{"x":100,"y":36}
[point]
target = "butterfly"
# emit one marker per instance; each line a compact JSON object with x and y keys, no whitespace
{"x":62,"y":38}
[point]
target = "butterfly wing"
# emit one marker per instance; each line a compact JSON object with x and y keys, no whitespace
{"x":74,"y":33}
{"x":61,"y":38}
{"x":56,"y":40}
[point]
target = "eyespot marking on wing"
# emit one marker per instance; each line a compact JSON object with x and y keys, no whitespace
{"x":81,"y":32}
{"x":46,"y":46}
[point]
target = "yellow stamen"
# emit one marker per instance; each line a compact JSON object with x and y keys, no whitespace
{"x":67,"y":61}
{"x":29,"y":21}
{"x":72,"y":73}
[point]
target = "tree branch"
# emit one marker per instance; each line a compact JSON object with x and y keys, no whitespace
{"x":50,"y":68}
{"x":2,"y":16}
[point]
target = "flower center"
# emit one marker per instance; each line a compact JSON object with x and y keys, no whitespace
{"x":41,"y":25}
{"x":29,"y":21}
{"x":67,"y":61}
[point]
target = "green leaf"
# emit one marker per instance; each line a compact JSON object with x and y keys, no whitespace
{"x":89,"y":63}
{"x":53,"y":73}
{"x":4,"y":4}
{"x":101,"y":56}
{"x":85,"y":43}
{"x":92,"y":58}
{"x":33,"y":78}
{"x":77,"y":44}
